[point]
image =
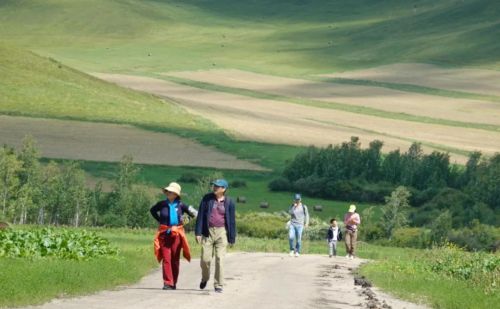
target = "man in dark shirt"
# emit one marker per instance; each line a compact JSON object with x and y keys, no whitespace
{"x":215,"y":228}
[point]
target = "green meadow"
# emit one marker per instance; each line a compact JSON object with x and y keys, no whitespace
{"x":281,"y":37}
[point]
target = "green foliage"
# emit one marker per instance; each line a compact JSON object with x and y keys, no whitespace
{"x":442,"y":277}
{"x":347,"y":172}
{"x":262,"y":225}
{"x":280,"y":184}
{"x":60,"y":243}
{"x":190,"y":177}
{"x":273,"y":226}
{"x":478,"y":237}
{"x":440,"y":227}
{"x":478,"y":268}
{"x":412,"y":237}
{"x":238,"y":183}
{"x":395,"y":211}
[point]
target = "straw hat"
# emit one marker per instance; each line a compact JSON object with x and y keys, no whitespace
{"x":173,"y":187}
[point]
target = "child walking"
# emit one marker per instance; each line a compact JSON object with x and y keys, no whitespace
{"x":333,"y":235}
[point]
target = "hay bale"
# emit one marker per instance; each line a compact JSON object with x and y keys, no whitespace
{"x":241,"y":199}
{"x":264,"y":205}
{"x":318,"y":208}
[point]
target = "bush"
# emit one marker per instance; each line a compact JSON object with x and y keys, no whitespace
{"x":238,"y":183}
{"x":479,"y":268}
{"x":64,"y":244}
{"x":411,"y":237}
{"x":370,"y":232}
{"x":280,"y":184}
{"x":317,"y":230}
{"x":312,"y":186}
{"x":262,"y":224}
{"x":190,"y":177}
{"x":476,"y":238}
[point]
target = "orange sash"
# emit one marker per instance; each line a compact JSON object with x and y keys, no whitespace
{"x":175,"y":230}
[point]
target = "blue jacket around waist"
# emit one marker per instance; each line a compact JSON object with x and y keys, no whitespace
{"x":206,"y":206}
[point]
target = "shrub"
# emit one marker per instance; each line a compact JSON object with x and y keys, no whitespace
{"x":317,"y":230}
{"x":280,"y":184}
{"x":479,"y":268}
{"x":190,"y":177}
{"x":238,"y":183}
{"x":476,"y":238}
{"x":262,"y":224}
{"x":411,"y":237}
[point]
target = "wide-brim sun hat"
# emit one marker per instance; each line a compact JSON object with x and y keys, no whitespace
{"x":352,"y":208}
{"x":173,"y":187}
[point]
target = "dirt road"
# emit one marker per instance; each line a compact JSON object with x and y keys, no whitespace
{"x":253,"y":280}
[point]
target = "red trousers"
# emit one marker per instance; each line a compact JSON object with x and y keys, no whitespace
{"x":170,"y":247}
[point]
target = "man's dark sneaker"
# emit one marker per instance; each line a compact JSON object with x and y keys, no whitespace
{"x":203,"y":284}
{"x":218,"y":290}
{"x":168,"y":287}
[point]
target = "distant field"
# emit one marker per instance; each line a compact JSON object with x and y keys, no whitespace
{"x":457,"y":79}
{"x":254,"y":119}
{"x":465,"y":110}
{"x":77,"y":140}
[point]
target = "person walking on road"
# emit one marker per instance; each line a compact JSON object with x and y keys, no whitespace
{"x":170,"y":237}
{"x":215,"y":229}
{"x":299,"y":219}
{"x":334,"y":234}
{"x":351,"y":222}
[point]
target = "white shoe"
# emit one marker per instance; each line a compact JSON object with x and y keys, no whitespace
{"x":297,"y":254}
{"x":352,"y":257}
{"x":348,"y":256}
{"x":292,"y":252}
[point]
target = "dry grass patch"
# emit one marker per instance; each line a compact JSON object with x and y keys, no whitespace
{"x":285,"y":123}
{"x":428,"y":75}
{"x":465,"y":110}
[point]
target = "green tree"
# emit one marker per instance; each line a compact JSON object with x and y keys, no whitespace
{"x":373,"y":161}
{"x":54,"y":191}
{"x":440,"y":227}
{"x":395,"y":211}
{"x":411,"y":164}
{"x":127,"y":174}
{"x":30,"y":175}
{"x":75,"y":193}
{"x":10,"y":168}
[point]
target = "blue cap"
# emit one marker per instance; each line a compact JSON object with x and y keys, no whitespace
{"x":297,"y":196}
{"x":221,"y":183}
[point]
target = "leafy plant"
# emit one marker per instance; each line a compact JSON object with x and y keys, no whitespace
{"x":60,"y":243}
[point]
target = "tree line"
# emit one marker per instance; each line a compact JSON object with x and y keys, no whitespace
{"x":58,"y":194}
{"x":348,"y":172}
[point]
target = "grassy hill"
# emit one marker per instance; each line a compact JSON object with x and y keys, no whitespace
{"x":35,"y":86}
{"x":282,"y":37}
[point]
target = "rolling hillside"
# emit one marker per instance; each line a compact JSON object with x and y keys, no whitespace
{"x":281,"y":37}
